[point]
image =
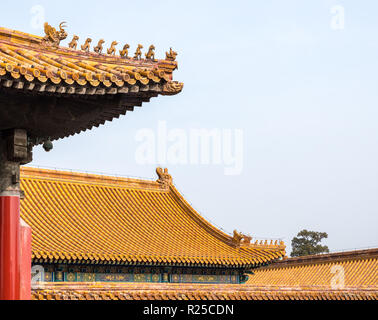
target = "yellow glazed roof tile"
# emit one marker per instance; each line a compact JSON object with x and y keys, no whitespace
{"x":150,"y":291}
{"x":358,"y":269}
{"x":81,"y":217}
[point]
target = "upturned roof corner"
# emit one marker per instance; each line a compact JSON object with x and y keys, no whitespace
{"x":81,"y":88}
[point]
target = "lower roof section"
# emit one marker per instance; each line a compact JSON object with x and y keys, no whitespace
{"x":100,"y":291}
{"x":91,"y":219}
{"x":340,"y":276}
{"x":354,"y":269}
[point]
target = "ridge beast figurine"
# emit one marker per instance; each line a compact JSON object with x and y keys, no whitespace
{"x":150,"y":55}
{"x":99,"y":47}
{"x":138,"y":52}
{"x":125,"y":51}
{"x":112,"y":50}
{"x":73,"y":43}
{"x":87,"y":45}
{"x":171,"y":55}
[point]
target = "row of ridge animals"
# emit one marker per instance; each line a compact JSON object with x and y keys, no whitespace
{"x":53,"y":38}
{"x":112,"y":50}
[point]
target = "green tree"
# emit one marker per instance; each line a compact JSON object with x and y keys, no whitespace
{"x":308,"y":243}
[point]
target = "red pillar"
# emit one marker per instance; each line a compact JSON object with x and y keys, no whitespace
{"x":9,"y":247}
{"x":25,"y":263}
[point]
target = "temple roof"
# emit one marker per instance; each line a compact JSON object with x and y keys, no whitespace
{"x":66,"y":90}
{"x":358,"y":268}
{"x":80,"y":218}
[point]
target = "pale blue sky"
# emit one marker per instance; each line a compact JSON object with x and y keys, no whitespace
{"x":305,"y":96}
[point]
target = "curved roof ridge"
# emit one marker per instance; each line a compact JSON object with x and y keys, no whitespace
{"x":18,"y":36}
{"x":89,"y":178}
{"x":164,"y":184}
{"x":200,"y":219}
{"x":130,"y":220}
{"x":215,"y":231}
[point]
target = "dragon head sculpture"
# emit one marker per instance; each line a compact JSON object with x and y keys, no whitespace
{"x":53,"y":37}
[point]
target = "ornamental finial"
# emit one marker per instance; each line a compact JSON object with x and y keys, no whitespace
{"x":171,"y":55}
{"x":165,"y":179}
{"x":172,"y":87}
{"x":236,"y":239}
{"x":52,"y":36}
{"x":241,"y":239}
